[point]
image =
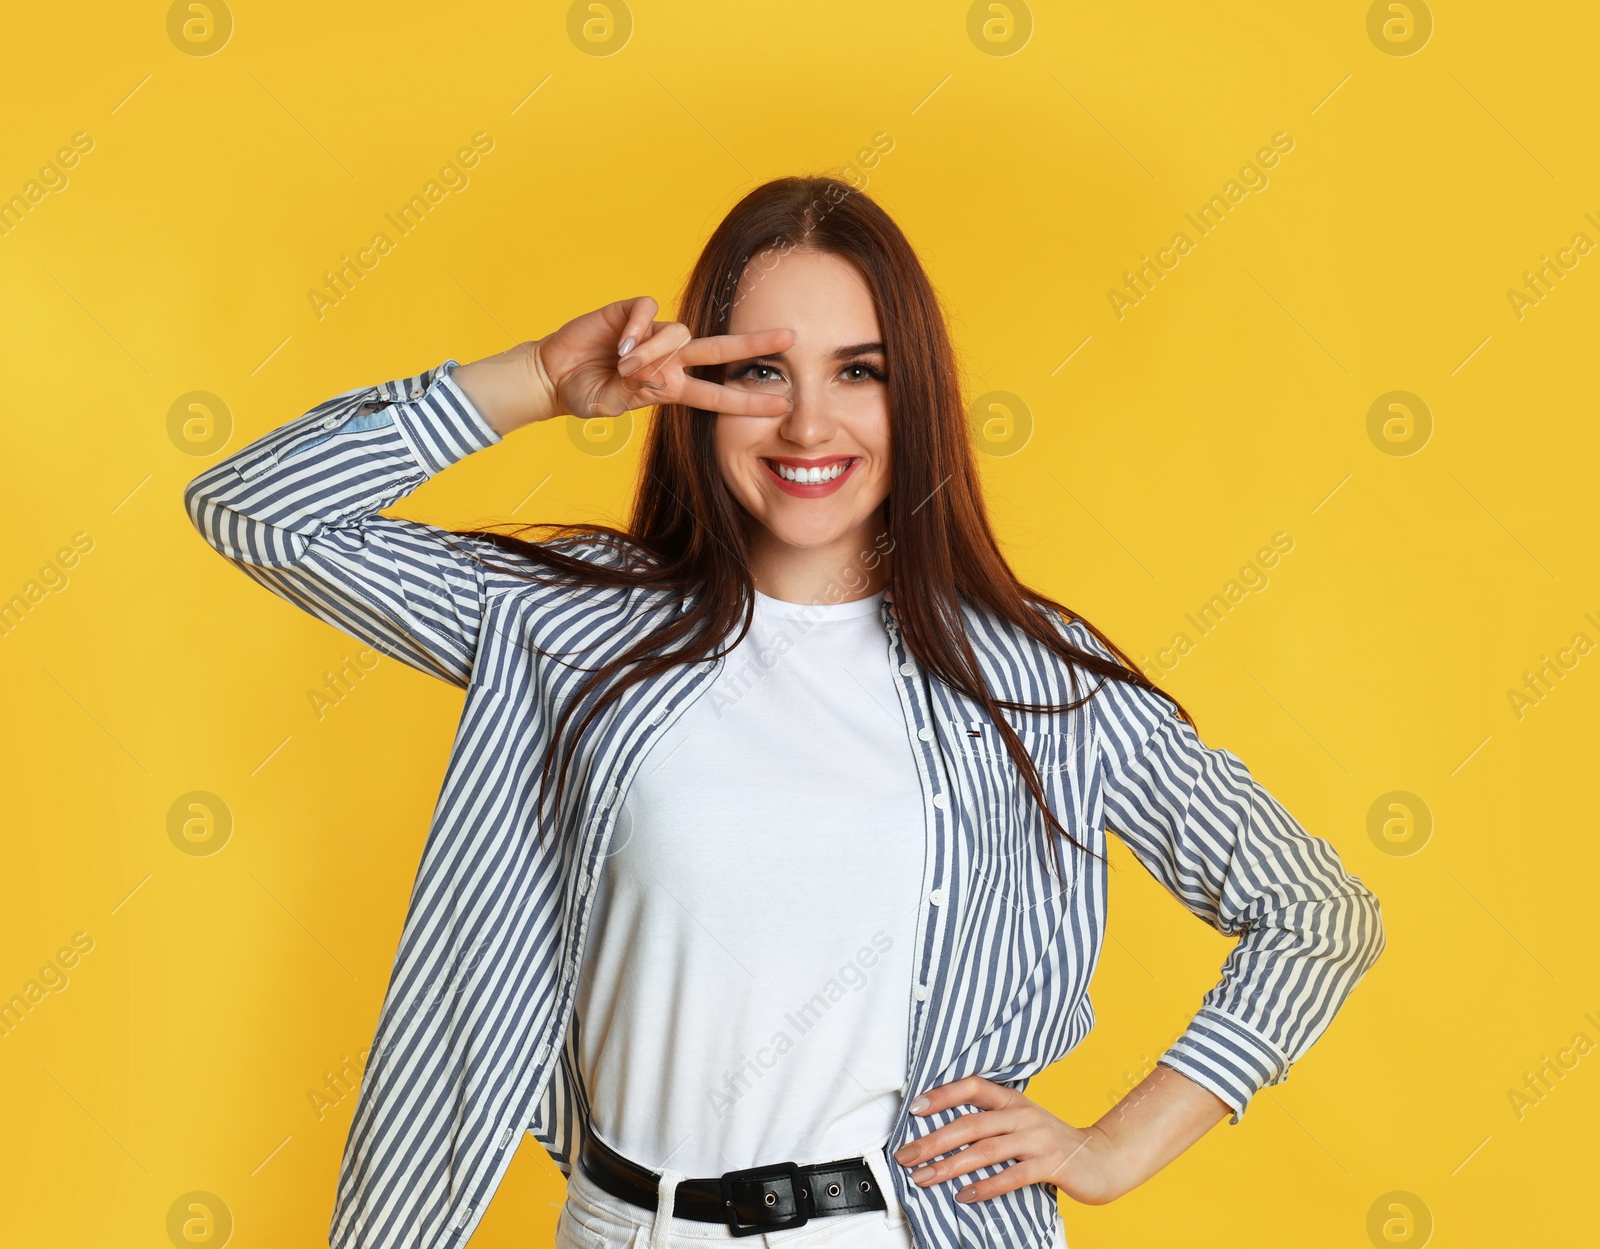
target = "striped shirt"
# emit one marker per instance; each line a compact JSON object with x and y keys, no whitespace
{"x":473,"y":1045}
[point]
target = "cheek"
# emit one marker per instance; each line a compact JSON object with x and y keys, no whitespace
{"x":864,"y":420}
{"x":726,"y":443}
{"x":736,"y":463}
{"x":876,"y":440}
{"x":882,"y":479}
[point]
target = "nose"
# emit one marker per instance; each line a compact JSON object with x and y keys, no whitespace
{"x":811,"y":421}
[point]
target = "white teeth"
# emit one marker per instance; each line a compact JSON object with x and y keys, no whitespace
{"x":811,"y":476}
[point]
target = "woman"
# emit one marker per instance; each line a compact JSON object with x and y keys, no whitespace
{"x":769,"y":867}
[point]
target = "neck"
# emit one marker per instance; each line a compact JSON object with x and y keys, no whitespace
{"x":853,"y":566}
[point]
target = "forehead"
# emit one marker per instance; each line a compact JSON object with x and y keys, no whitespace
{"x":821,"y":297}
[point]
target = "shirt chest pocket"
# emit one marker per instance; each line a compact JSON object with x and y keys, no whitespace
{"x":1011,"y":839}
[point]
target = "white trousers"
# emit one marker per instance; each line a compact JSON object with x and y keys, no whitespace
{"x":593,"y":1219}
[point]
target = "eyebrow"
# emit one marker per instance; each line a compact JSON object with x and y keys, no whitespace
{"x":838,"y":353}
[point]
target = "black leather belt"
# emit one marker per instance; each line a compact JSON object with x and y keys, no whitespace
{"x":757,"y":1199}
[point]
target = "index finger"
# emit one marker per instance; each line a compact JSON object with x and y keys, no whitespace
{"x":723,"y":348}
{"x":967,"y":1091}
{"x":712,"y":397}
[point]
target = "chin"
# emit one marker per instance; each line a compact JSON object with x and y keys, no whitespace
{"x":812,"y":535}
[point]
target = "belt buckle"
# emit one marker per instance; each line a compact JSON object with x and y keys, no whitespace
{"x":799,"y":1197}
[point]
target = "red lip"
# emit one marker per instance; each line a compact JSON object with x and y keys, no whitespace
{"x":810,"y":490}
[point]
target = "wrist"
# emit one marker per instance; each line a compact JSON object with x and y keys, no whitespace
{"x":1117,"y":1145}
{"x":1118,"y":1167}
{"x":1155,"y":1122}
{"x":510,"y":389}
{"x":547,"y":402}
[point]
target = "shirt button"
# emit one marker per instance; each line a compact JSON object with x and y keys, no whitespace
{"x":925,"y":734}
{"x":936,"y":896}
{"x":330,"y":422}
{"x":907,"y":668}
{"x":540,"y":1053}
{"x":505,"y":1138}
{"x":940,"y":801}
{"x":659,"y":716}
{"x":920,"y":993}
{"x":608,"y":797}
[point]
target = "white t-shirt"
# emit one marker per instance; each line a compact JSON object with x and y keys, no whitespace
{"x":746,"y":983}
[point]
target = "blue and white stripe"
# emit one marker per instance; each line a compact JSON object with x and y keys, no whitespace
{"x":474,"y":1043}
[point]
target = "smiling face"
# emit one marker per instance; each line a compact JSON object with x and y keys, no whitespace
{"x":812,"y":481}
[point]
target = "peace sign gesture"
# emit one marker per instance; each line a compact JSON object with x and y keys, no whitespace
{"x":618,"y":358}
{"x":613,"y":360}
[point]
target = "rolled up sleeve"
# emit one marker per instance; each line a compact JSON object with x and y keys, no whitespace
{"x":298,"y":510}
{"x":1216,"y":839}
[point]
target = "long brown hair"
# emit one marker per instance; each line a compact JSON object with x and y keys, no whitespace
{"x":689,"y":529}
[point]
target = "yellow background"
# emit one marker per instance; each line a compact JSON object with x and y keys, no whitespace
{"x":1229,"y":405}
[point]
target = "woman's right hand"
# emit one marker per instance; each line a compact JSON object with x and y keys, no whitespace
{"x":581,"y":370}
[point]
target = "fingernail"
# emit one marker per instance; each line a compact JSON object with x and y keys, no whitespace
{"x":922,"y":1175}
{"x":627,"y":346}
{"x":967,"y":1194}
{"x":918,"y":1105}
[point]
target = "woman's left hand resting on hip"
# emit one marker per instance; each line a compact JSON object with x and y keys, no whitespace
{"x":1158,"y":1119}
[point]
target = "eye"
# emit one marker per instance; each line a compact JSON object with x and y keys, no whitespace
{"x":872,"y":372}
{"x":751,"y":371}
